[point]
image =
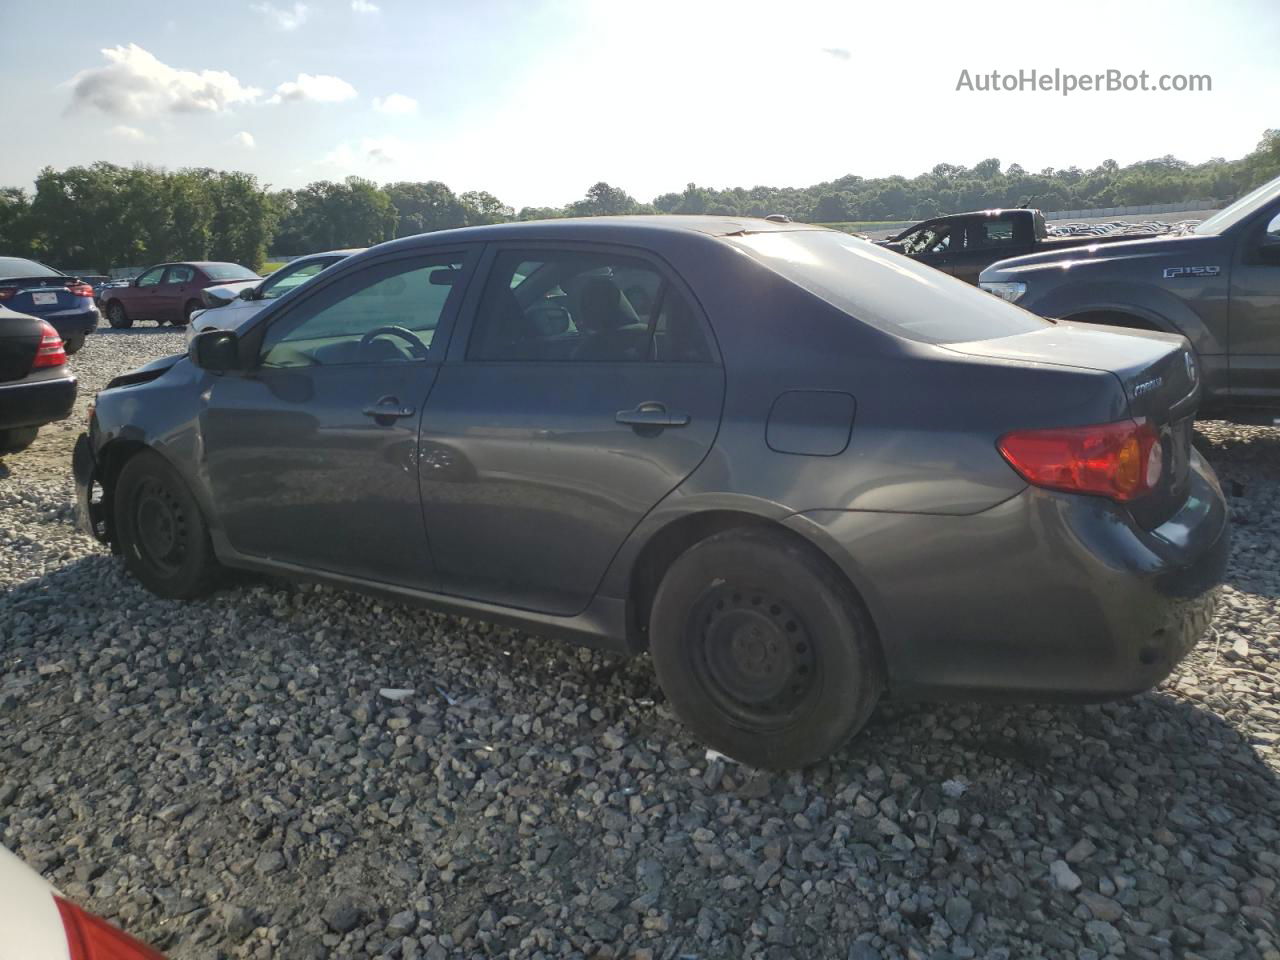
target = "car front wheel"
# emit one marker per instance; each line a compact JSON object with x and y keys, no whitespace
{"x":163,"y":535}
{"x":763,"y":650}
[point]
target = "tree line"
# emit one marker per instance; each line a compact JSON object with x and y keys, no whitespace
{"x":101,"y":216}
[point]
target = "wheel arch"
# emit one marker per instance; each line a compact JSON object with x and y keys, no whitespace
{"x":1127,"y":318}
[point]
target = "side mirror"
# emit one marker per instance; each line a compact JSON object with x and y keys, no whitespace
{"x":249,"y":293}
{"x":216,"y":351}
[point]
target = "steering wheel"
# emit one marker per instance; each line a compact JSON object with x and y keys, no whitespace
{"x":416,"y":346}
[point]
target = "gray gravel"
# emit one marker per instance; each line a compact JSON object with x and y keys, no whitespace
{"x":247,"y":777}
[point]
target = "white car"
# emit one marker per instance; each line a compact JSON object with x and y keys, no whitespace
{"x":230,"y":305}
{"x":39,"y":924}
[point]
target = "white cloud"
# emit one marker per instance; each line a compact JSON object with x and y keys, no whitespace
{"x":358,"y":155}
{"x":364,"y":6}
{"x":317,"y":88}
{"x":244,"y":139}
{"x":134,"y":82}
{"x":284,"y":18}
{"x":127,"y":133}
{"x":395,"y":103}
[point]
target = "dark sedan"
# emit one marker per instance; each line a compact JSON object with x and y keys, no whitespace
{"x":67,"y":303}
{"x":799,"y":470}
{"x":35,"y":387}
{"x":168,"y":292}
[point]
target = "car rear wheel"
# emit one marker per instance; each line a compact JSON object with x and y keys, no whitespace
{"x":16,"y":439}
{"x":188,"y":309}
{"x":117,"y":317}
{"x":763,"y":650}
{"x":73,"y":344}
{"x":163,"y":535}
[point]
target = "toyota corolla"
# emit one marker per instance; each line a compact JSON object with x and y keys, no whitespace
{"x":799,"y":471}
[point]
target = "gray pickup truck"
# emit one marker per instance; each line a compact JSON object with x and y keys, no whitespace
{"x":962,"y":244}
{"x":1218,"y":286}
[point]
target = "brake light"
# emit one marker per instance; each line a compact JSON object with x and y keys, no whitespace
{"x":92,"y":938}
{"x":50,"y":352}
{"x":7,"y":293}
{"x":80,"y":290}
{"x":1121,"y":460}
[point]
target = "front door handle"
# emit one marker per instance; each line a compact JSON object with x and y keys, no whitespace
{"x":388,"y":409}
{"x":652,"y":414}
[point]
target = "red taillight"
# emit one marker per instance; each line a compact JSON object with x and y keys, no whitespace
{"x":1121,"y":460}
{"x":92,"y":938}
{"x":7,"y":293}
{"x":80,"y":290}
{"x":50,"y":352}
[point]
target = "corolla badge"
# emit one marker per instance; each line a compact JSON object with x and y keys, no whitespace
{"x":1147,"y":386}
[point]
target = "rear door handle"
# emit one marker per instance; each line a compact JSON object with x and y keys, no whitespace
{"x":388,"y":408}
{"x":652,"y":414}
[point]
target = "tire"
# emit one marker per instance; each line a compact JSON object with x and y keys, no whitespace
{"x":117,"y":317}
{"x":17,"y":439}
{"x":763,"y":650}
{"x":163,"y":535}
{"x":190,"y":307}
{"x":73,"y":345}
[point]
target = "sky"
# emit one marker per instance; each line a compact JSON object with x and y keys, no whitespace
{"x":536,"y":100}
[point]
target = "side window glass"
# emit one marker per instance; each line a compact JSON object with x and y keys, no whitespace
{"x":386,"y":313}
{"x":990,"y":233}
{"x":151,"y":277}
{"x":582,"y":307}
{"x":279,"y":285}
{"x":179,"y":275}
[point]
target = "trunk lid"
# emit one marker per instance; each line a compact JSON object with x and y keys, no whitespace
{"x":39,"y":295}
{"x":19,"y":341}
{"x":1160,"y":379}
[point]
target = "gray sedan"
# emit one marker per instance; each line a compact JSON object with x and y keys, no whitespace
{"x":800,"y":471}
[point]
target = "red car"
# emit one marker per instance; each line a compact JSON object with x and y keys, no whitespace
{"x":168,"y":292}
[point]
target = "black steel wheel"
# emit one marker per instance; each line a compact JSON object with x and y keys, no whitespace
{"x":753,"y":654}
{"x":763,"y":648}
{"x":162,"y":534}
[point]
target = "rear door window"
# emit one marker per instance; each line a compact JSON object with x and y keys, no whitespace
{"x":180,"y":275}
{"x":987,"y":234}
{"x":584,"y":306}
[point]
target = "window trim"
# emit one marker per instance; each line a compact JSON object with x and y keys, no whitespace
{"x":464,"y":327}
{"x":250,"y":341}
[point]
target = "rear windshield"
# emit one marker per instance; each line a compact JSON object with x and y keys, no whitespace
{"x":228,"y":271}
{"x":887,"y":290}
{"x":18,"y":267}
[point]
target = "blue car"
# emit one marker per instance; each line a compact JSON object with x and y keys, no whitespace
{"x":39,"y":291}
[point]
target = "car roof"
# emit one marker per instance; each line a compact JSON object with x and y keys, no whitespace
{"x":648,"y":227}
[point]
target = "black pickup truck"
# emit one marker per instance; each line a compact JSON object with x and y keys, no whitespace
{"x":964,"y":244}
{"x":1218,"y":286}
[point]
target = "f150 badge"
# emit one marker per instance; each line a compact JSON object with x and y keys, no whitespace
{"x":1174,"y":273}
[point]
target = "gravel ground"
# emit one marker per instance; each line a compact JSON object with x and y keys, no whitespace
{"x":226,"y":779}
